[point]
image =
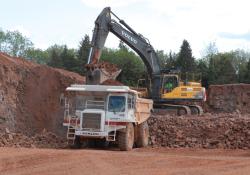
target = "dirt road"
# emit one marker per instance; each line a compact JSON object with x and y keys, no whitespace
{"x":23,"y":161}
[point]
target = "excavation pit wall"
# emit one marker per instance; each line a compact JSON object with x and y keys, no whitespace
{"x":229,"y":98}
{"x":31,"y":96}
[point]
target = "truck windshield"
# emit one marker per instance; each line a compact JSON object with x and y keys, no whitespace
{"x":116,"y":104}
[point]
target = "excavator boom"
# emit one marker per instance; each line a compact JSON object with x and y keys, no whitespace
{"x":105,"y":24}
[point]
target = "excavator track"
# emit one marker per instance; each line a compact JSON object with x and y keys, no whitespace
{"x":179,"y":109}
{"x":196,"y":109}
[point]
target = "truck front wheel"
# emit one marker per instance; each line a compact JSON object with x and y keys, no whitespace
{"x":142,"y":135}
{"x":126,"y":138}
{"x":77,"y":143}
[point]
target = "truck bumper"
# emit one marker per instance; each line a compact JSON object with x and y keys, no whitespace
{"x":91,"y":134}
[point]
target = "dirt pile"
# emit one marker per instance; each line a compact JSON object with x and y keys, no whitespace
{"x":112,"y":82}
{"x":42,"y":140}
{"x":229,"y":98}
{"x":208,"y":131}
{"x":108,"y":67}
{"x":31,"y":95}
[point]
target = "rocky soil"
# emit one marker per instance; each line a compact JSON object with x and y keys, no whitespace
{"x":44,"y":139}
{"x":207,"y":131}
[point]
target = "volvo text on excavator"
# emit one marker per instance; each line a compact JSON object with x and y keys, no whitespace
{"x":165,"y":88}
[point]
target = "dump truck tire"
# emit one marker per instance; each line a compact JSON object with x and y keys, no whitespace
{"x":126,"y":138}
{"x":101,"y":143}
{"x":77,"y":143}
{"x":142,"y":135}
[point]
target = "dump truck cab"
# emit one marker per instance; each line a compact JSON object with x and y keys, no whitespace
{"x":101,"y":112}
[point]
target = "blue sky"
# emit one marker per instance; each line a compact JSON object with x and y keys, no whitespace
{"x":164,"y":22}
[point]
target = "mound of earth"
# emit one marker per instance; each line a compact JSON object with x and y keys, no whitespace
{"x":221,"y":130}
{"x":31,"y":95}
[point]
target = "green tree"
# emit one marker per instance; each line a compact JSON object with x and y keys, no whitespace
{"x":185,"y":60}
{"x":171,"y":60}
{"x":209,"y":52}
{"x":54,"y":53}
{"x":221,"y":69}
{"x":247,"y":73}
{"x":16,"y":44}
{"x":131,"y":64}
{"x":239,"y":60}
{"x":202,"y":68}
{"x":162,"y":58}
{"x":2,"y":40}
{"x":37,"y":55}
{"x":83,"y":53}
{"x":69,"y":60}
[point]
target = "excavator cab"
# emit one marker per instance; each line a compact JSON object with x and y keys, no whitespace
{"x":169,"y":82}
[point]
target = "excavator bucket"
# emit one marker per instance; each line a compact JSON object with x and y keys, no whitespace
{"x":100,"y":72}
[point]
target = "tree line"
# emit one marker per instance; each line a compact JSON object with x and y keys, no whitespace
{"x":214,"y":67}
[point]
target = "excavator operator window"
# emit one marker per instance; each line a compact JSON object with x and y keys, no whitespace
{"x":170,"y":82}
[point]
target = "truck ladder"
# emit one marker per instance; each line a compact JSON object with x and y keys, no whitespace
{"x":71,"y":132}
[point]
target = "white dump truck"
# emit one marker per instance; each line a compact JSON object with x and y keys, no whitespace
{"x":106,"y":114}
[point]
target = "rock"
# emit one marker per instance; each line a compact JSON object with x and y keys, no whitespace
{"x":193,"y":139}
{"x":7,"y":131}
{"x":227,"y":132}
{"x":10,"y":136}
{"x":4,"y":141}
{"x":32,"y":146}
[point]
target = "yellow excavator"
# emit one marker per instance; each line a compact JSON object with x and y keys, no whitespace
{"x":186,"y":96}
{"x":165,"y":87}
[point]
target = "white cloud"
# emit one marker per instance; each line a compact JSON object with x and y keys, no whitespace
{"x":201,"y":21}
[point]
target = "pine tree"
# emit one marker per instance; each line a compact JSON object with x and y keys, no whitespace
{"x":69,"y":60}
{"x":55,"y":60}
{"x":83,"y":53}
{"x":247,"y":73}
{"x":185,"y":60}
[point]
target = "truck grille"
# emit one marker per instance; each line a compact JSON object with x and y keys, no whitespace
{"x":91,"y":121}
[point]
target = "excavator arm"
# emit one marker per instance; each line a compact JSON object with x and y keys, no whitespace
{"x":105,"y":24}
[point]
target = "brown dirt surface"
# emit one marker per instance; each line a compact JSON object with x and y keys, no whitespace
{"x":31,"y":95}
{"x":20,"y":161}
